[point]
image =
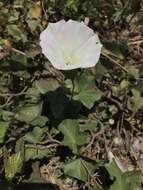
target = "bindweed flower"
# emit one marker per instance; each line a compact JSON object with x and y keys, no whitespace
{"x":70,"y":45}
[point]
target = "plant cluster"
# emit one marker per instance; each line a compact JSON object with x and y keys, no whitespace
{"x":58,"y":126}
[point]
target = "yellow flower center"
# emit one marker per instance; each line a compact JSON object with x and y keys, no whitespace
{"x":68,"y":60}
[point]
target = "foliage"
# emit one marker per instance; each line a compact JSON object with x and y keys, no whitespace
{"x":79,"y":169}
{"x":13,"y":165}
{"x":72,"y":117}
{"x":72,"y":137}
{"x":126,"y":180}
{"x":3,"y":128}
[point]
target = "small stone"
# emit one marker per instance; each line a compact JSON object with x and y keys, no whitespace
{"x":111,"y":121}
{"x":130,"y":168}
{"x":117,"y":141}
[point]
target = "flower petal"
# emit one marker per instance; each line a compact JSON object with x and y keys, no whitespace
{"x":53,"y":28}
{"x":50,"y":46}
{"x":73,"y":35}
{"x":88,"y":54}
{"x":49,"y":35}
{"x":52,"y":54}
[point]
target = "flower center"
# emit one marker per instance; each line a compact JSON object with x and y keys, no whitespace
{"x":68,"y":60}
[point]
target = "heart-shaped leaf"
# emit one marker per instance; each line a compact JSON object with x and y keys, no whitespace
{"x":29,"y":112}
{"x":86,"y":91}
{"x":34,"y":136}
{"x":79,"y":169}
{"x":72,"y":137}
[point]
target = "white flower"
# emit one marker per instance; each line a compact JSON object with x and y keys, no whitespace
{"x":70,"y":45}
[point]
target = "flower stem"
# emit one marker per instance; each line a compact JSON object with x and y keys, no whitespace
{"x":73,"y":87}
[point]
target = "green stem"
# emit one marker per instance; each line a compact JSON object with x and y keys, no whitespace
{"x":73,"y":87}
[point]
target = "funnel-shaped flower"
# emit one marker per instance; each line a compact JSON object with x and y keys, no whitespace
{"x":70,"y":45}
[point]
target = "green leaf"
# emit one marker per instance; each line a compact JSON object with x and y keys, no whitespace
{"x":35,"y":175}
{"x":113,"y":169}
{"x":79,"y":169}
{"x":46,"y":85}
{"x":3,"y":129}
{"x":32,"y":51}
{"x":13,"y":165}
{"x":16,"y":33}
{"x":86,"y":90}
{"x":124,"y":84}
{"x":33,"y":94}
{"x":89,"y":126}
{"x":100,"y":70}
{"x":39,"y":121}
{"x":7,"y":115}
{"x":14,"y":17}
{"x":1,"y":151}
{"x":35,"y":136}
{"x":29,"y":112}
{"x":18,"y":4}
{"x":88,"y":97}
{"x":84,"y":82}
{"x":20,"y":58}
{"x":72,"y":137}
{"x":33,"y":24}
{"x":123,"y":181}
{"x":136,"y":102}
{"x":35,"y":153}
{"x":133,"y":71}
{"x":113,"y":109}
{"x":132,"y":179}
{"x":117,"y":49}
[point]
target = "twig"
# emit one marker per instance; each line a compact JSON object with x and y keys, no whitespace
{"x":42,"y":4}
{"x":84,"y":165}
{"x":49,"y":141}
{"x":105,"y":54}
{"x":105,"y":143}
{"x":41,"y":147}
{"x":10,"y":95}
{"x":138,"y":42}
{"x":13,"y":94}
{"x":115,"y":102}
{"x":93,"y":138}
{"x":91,"y":175}
{"x":73,"y":87}
{"x":18,"y":51}
{"x":137,"y":130}
{"x":8,"y":102}
{"x":52,"y":139}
